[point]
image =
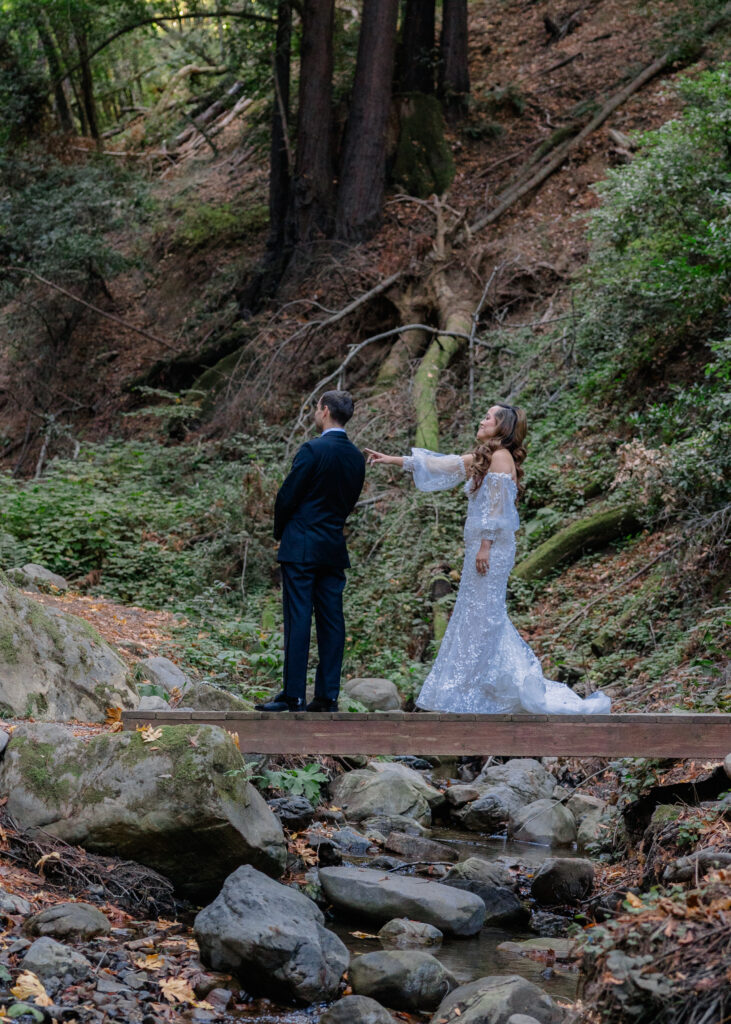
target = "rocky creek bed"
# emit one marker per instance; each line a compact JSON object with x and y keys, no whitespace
{"x":413,"y":890}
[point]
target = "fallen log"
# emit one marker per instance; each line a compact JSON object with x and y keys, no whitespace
{"x":589,"y":534}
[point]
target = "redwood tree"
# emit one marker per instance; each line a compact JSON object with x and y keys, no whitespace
{"x":280,"y":155}
{"x":363,"y":172}
{"x":454,"y":75}
{"x":416,"y":53}
{"x":313,"y":186}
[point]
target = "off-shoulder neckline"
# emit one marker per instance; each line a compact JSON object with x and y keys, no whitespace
{"x":493,"y":472}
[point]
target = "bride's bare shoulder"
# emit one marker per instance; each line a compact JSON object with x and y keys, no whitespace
{"x":502,"y":462}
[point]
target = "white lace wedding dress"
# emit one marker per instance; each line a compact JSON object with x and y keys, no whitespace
{"x":484,"y":666}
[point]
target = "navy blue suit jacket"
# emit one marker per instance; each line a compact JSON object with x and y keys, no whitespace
{"x":315,"y":500}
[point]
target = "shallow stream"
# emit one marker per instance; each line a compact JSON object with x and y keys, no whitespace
{"x":467,"y":959}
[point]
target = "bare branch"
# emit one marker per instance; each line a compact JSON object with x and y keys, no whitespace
{"x":82,"y":302}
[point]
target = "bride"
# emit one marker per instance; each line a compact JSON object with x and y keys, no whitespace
{"x":484,"y":666}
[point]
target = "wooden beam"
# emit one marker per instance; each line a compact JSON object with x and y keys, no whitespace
{"x":620,"y":735}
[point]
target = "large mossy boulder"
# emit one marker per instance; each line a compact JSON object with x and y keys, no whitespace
{"x":273,"y":938}
{"x":171,"y":799}
{"x":55,"y":666}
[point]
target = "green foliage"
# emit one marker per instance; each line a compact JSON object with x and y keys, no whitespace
{"x":305,"y":781}
{"x":661,"y":242}
{"x":56,"y":219}
{"x":160,"y":523}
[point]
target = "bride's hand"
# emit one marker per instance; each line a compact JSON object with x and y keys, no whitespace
{"x":482,"y":561}
{"x":378,"y":458}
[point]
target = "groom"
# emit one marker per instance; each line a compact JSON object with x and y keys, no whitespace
{"x":309,"y":514}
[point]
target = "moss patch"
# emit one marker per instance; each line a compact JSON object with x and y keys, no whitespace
{"x":423,"y":162}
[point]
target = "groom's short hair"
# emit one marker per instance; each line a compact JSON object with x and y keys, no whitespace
{"x":340,"y":404}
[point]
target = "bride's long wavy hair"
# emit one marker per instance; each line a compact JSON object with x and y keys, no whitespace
{"x":512,"y":428}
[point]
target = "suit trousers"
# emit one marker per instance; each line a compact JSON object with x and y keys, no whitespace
{"x":306,"y":588}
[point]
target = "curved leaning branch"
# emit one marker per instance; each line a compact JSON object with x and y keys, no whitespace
{"x":160,"y":20}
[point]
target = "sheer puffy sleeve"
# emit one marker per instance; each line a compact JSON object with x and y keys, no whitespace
{"x":434,"y":472}
{"x":496,"y":504}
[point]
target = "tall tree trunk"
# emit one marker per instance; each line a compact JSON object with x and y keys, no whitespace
{"x":53,"y":60}
{"x":85,"y":77}
{"x":416,"y":53}
{"x":364,"y":157}
{"x":314,"y":192}
{"x":280,"y":170}
{"x":454,"y":75}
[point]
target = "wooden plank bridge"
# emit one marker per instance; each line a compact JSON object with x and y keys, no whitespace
{"x":398,"y":732}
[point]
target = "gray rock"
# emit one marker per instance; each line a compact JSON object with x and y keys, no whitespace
{"x":495,"y":999}
{"x":384,"y":789}
{"x":55,"y":666}
{"x":385,"y":824}
{"x":503,"y":909}
{"x":375,"y":694}
{"x":153,"y":703}
{"x":492,"y":809}
{"x":215,"y":698}
{"x":4,"y":740}
{"x":328,"y":852}
{"x":80,"y":921}
{"x":544,"y":821}
{"x":15,"y":905}
{"x":727,"y":765}
{"x":522,"y":1018}
{"x":580,"y":804}
{"x":591,"y":828}
{"x":563,"y":880}
{"x":294,"y":812}
{"x":378,"y":897}
{"x":405,"y":980}
{"x":524,"y":775}
{"x":477,"y":869}
{"x":352,"y":842}
{"x":50,"y":959}
{"x":165,"y":673}
{"x":402,"y":933}
{"x":171,"y":804}
{"x":416,"y":848}
{"x":563,"y":949}
{"x":39,"y":576}
{"x":356,"y":1010}
{"x":458,"y":796}
{"x":272,"y":938}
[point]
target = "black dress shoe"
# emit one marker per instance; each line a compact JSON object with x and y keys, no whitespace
{"x":322,"y":704}
{"x":282,"y":703}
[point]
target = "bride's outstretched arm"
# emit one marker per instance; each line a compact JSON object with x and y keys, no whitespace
{"x":431,"y":471}
{"x":378,"y":458}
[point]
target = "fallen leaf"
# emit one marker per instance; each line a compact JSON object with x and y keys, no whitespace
{"x":363,"y":935}
{"x":149,"y":735}
{"x":40,"y":864}
{"x":113,"y":715}
{"x":29,"y":985}
{"x":633,"y":900}
{"x":235,"y":737}
{"x":151,"y":962}
{"x":177,"y":990}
